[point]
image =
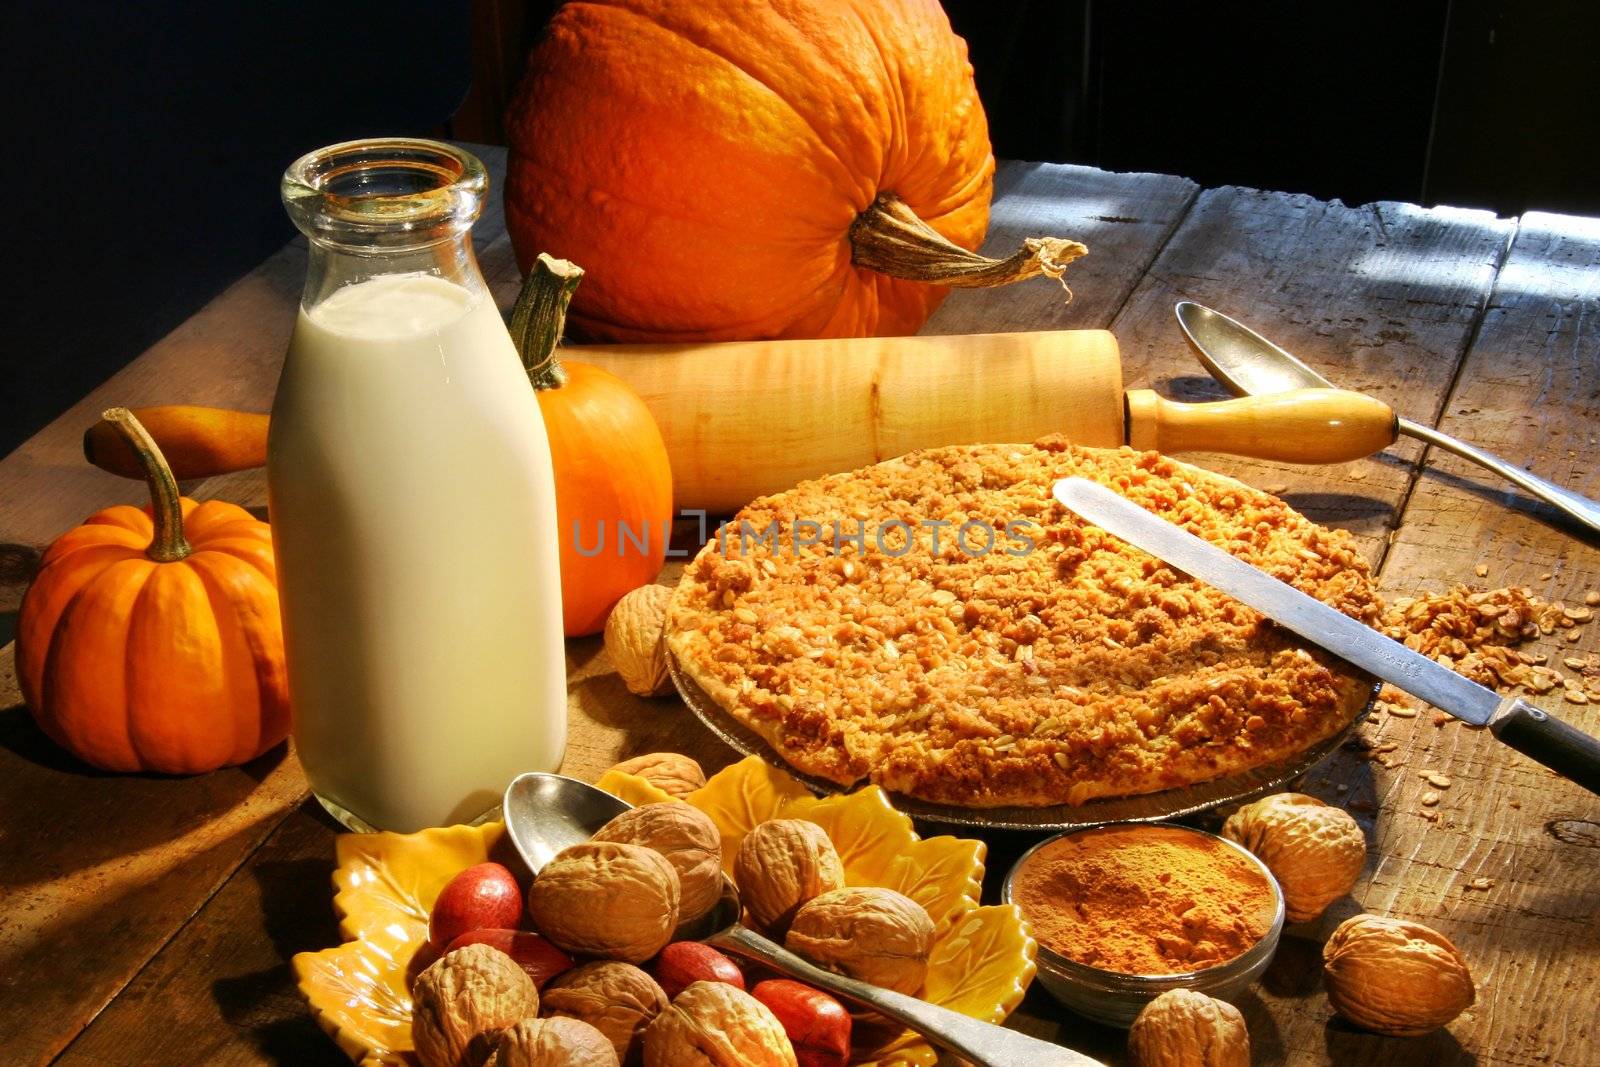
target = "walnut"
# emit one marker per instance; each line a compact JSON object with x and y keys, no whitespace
{"x":602,"y":898}
{"x":557,"y":1042}
{"x":713,"y":1024}
{"x":1183,"y":1028}
{"x":876,"y":935}
{"x":780,"y":865}
{"x":617,"y":999}
{"x":462,"y":1002}
{"x":1395,"y":977}
{"x":688,"y":839}
{"x":1315,"y":851}
{"x":633,"y":638}
{"x":668,"y":771}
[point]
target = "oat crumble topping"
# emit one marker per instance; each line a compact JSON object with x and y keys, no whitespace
{"x":1083,"y":668}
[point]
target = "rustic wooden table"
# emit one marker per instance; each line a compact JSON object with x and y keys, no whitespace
{"x":151,"y":920}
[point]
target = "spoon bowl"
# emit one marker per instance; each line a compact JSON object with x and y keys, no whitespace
{"x":546,"y":813}
{"x":1241,"y":359}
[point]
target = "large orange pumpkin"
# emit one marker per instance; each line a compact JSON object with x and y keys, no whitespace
{"x":735,"y":170}
{"x":613,"y":478}
{"x":150,"y":639}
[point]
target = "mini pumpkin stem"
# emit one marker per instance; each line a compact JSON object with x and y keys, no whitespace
{"x":166,"y":508}
{"x":539,"y":316}
{"x":890,"y":238}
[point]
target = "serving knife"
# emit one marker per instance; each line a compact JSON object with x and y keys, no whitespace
{"x":1530,"y":730}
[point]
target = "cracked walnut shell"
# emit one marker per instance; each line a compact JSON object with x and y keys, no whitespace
{"x":603,"y":898}
{"x":557,"y":1042}
{"x":865,"y":932}
{"x":463,"y":1001}
{"x":633,"y":639}
{"x":1314,"y":850}
{"x":713,"y":1024}
{"x":617,"y":999}
{"x":688,"y":839}
{"x":782,"y":864}
{"x":1185,"y":1028}
{"x":670,"y":772}
{"x":1395,"y":977}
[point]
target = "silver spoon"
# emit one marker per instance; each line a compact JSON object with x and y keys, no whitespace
{"x":1249,"y":364}
{"x":546,"y":813}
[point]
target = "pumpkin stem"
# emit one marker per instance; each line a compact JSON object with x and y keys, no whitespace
{"x":891,"y":239}
{"x":166,"y":508}
{"x":540,"y":315}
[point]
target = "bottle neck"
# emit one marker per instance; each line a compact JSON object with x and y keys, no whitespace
{"x":332,"y":267}
{"x":386,"y":206}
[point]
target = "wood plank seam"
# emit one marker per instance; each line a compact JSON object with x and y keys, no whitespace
{"x":1155,"y":255}
{"x":1468,"y":342}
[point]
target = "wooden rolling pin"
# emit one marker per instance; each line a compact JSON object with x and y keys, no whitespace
{"x":746,"y":418}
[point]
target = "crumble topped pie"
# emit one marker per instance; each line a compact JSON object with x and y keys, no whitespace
{"x":1060,"y":665}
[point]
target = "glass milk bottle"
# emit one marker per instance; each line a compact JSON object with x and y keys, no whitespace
{"x":412,"y":502}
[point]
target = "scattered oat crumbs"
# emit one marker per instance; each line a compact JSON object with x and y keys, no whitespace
{"x":1482,"y":885}
{"x":1481,"y":570}
{"x":1545,"y":577}
{"x":1401,"y":711}
{"x":1430,"y":798}
{"x":1477,"y":632}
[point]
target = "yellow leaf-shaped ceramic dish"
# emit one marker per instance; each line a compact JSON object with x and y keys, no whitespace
{"x":982,"y":961}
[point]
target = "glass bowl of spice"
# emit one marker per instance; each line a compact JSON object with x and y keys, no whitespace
{"x":1124,"y":912}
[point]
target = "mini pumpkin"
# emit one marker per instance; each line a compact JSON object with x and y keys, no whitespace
{"x":733,"y":170}
{"x":613,"y":477}
{"x":150,"y":639}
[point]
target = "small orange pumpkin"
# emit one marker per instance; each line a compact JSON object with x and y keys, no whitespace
{"x":613,"y":478}
{"x":740,"y":171}
{"x":150,"y":639}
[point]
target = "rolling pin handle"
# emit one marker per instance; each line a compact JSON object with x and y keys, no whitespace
{"x":1299,"y":426}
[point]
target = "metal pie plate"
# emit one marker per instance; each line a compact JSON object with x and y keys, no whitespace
{"x":1146,"y":807}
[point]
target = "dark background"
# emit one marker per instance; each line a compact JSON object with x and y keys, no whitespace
{"x":152,"y":135}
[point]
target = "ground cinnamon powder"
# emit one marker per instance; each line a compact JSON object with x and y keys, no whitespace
{"x":1144,"y":899}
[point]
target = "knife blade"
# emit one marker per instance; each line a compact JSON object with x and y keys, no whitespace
{"x":1523,"y":726}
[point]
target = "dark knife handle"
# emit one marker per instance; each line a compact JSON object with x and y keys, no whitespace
{"x":1541,"y":736}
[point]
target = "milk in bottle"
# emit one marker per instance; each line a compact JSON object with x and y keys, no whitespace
{"x":412,"y":503}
